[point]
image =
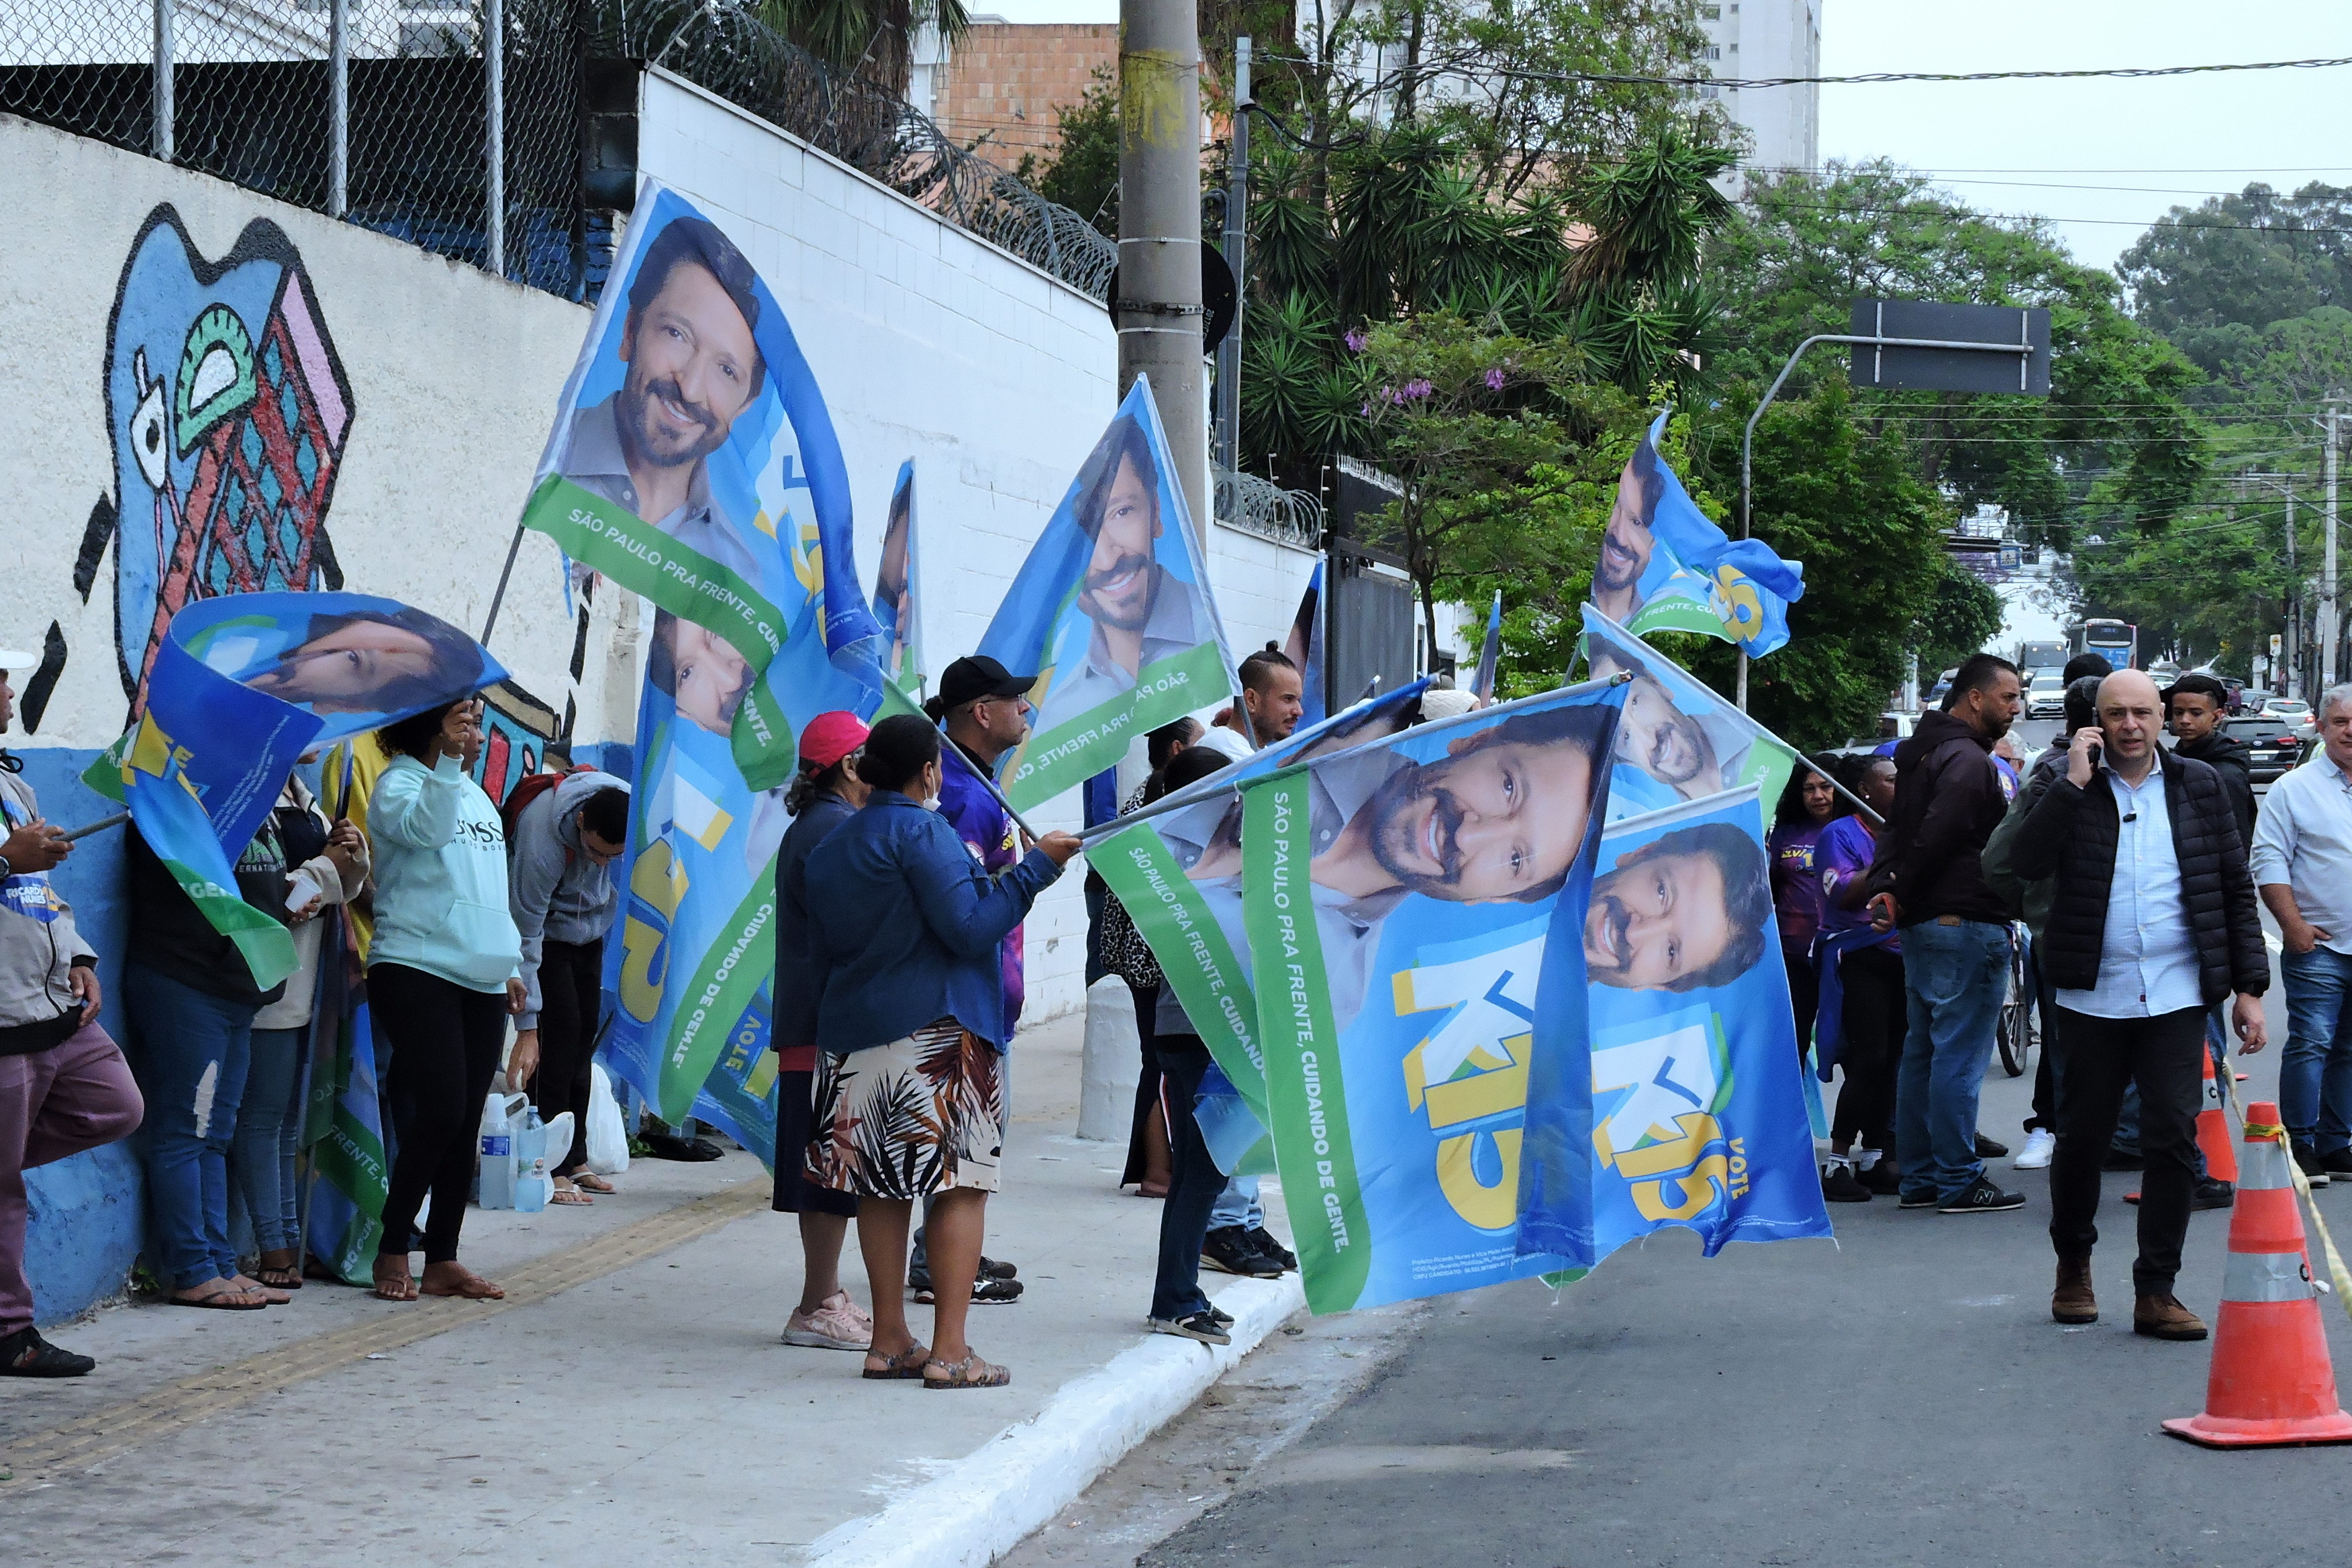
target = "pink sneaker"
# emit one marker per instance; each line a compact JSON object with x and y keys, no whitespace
{"x":838,"y":1323}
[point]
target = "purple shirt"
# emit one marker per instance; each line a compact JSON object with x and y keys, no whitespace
{"x":1796,"y":886}
{"x":1840,"y":859}
{"x":988,"y":833}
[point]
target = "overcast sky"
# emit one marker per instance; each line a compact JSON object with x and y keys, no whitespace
{"x":2011,"y":147}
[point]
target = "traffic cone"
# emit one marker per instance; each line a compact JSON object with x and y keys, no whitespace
{"x":2213,"y":1128}
{"x":2271,"y":1383}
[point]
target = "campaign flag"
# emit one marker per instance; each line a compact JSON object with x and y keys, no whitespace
{"x":895,"y":582}
{"x":241,"y":688}
{"x":1679,"y":741}
{"x":1490,"y":657}
{"x":1111,"y":612}
{"x":1304,"y":648}
{"x":1666,"y":567}
{"x":1699,"y":1115}
{"x":350,"y":1172}
{"x":1415,"y":909}
{"x":693,"y":461}
{"x":1160,"y":866}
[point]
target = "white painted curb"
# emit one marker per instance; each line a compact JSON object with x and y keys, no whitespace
{"x":1024,"y":1474}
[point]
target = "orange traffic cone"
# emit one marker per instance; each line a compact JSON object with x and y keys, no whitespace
{"x":2272,"y":1383}
{"x":2213,"y":1129}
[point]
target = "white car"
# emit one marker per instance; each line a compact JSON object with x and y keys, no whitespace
{"x":2294,"y":711}
{"x":2046,"y":698}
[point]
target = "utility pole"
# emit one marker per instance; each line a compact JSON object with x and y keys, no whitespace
{"x":1158,"y":306}
{"x":1229,"y":352}
{"x":2327,"y":612}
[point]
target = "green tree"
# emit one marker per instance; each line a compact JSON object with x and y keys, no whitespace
{"x":1084,"y":173}
{"x":2212,"y":277}
{"x":868,"y":39}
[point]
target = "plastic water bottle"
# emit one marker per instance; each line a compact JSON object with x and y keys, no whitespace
{"x":498,"y":1175}
{"x":533,"y":1185}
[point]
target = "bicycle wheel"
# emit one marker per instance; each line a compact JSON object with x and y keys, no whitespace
{"x":2014,"y":1027}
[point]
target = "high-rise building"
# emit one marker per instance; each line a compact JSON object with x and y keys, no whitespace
{"x":1753,"y":39}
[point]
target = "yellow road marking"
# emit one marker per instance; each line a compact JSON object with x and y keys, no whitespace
{"x":176,"y":1407}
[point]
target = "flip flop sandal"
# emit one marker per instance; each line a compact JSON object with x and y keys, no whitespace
{"x":219,"y":1302}
{"x":279,"y":1278}
{"x":474,"y":1289}
{"x":907,"y":1365}
{"x":589,"y":1181}
{"x":969,"y":1373}
{"x":571,"y":1195}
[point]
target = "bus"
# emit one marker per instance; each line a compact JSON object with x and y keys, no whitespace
{"x":2035,"y":656}
{"x":2116,"y":641}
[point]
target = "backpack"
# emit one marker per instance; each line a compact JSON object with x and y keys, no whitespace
{"x":527,"y":789}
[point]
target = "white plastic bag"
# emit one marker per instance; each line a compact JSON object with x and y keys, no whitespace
{"x":608,"y":1134}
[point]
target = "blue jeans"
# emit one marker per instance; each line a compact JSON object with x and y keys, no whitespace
{"x":1237,"y":1204}
{"x":193,"y":1051}
{"x":2315,"y":1071}
{"x":269,"y":1136}
{"x":1953,"y":980}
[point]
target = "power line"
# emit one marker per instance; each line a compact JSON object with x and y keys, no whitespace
{"x":1926,"y":209}
{"x":1437,"y":70}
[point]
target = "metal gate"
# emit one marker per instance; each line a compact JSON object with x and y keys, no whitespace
{"x":1370,"y":625}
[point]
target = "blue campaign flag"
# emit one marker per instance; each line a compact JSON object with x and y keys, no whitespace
{"x":1305,"y":648}
{"x":242,"y":686}
{"x":1666,"y":567}
{"x":1699,"y":1115}
{"x":1111,"y":612}
{"x":1490,"y":657}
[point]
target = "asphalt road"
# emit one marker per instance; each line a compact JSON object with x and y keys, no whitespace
{"x":1898,"y":1396}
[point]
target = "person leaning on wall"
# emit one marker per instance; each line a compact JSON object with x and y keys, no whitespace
{"x":64,"y":1086}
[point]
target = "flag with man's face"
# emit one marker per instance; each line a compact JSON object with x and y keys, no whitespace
{"x":1414,"y":910}
{"x":1665,"y":566}
{"x":1111,"y":612}
{"x":1680,"y":741}
{"x":693,"y":461}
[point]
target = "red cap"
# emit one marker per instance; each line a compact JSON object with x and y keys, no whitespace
{"x":830,"y":736}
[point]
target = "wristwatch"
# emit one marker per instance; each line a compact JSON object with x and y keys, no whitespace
{"x":6,"y":870}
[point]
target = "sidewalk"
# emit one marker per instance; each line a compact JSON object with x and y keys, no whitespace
{"x":639,"y":1413}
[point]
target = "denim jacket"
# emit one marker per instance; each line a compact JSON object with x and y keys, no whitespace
{"x":904,"y":926}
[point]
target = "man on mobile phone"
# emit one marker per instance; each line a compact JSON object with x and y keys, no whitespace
{"x":2153,"y":920}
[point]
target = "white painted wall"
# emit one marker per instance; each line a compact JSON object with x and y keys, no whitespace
{"x":995,"y":377}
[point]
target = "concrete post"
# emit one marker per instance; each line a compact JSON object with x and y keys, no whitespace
{"x":1158,"y":311}
{"x":338,"y":107}
{"x":159,"y":137}
{"x":494,"y":70}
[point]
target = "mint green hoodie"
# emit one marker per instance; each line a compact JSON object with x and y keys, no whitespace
{"x":441,"y":877}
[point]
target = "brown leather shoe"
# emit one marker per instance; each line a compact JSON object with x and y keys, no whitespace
{"x":2163,"y":1317}
{"x":2071,"y":1301}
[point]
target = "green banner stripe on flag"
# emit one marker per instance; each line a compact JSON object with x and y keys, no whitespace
{"x":268,"y":946}
{"x":1678,"y":614}
{"x":1074,"y":751}
{"x":1194,"y":956}
{"x":1305,"y":1090}
{"x":642,"y":558}
{"x":730,"y":974}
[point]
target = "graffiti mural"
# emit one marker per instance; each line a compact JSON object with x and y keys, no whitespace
{"x":227,"y":409}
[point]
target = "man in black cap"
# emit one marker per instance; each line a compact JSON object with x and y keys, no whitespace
{"x":985,"y":708}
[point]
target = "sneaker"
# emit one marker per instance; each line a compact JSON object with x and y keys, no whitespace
{"x":2212,"y":1194}
{"x":25,"y":1354}
{"x":2337,"y":1163}
{"x":1840,"y":1184}
{"x":1990,"y":1148}
{"x":2307,"y":1159}
{"x":1983,"y":1198}
{"x":1224,"y":1318}
{"x":1228,"y":1249}
{"x":1263,"y":1239}
{"x":997,"y":1268}
{"x":2122,"y":1160}
{"x":1919,"y":1200}
{"x":838,"y":1323}
{"x":2041,"y":1144}
{"x":985,"y":1291}
{"x":1202,"y":1326}
{"x":1881,"y":1178}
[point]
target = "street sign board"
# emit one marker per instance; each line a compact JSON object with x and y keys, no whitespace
{"x":2015,"y":356}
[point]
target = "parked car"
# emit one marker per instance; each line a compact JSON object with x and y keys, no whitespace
{"x":2296,"y":711}
{"x":1894,"y":724}
{"x":2046,"y":698}
{"x":1943,"y":684}
{"x":2273,"y":745}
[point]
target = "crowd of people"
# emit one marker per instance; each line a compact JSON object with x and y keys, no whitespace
{"x":2131,"y":875}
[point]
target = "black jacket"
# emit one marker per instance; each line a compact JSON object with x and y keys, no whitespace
{"x":2226,"y":754}
{"x":2071,"y":833}
{"x":171,"y":936}
{"x":1948,"y":800}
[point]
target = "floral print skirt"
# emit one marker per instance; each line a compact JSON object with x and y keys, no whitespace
{"x":916,"y":1116}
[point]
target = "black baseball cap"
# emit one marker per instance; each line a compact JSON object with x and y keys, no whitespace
{"x":970,"y":679}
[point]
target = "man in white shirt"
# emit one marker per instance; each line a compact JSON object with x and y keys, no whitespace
{"x":2302,"y":864}
{"x":2152,"y":919}
{"x":1272,"y":697}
